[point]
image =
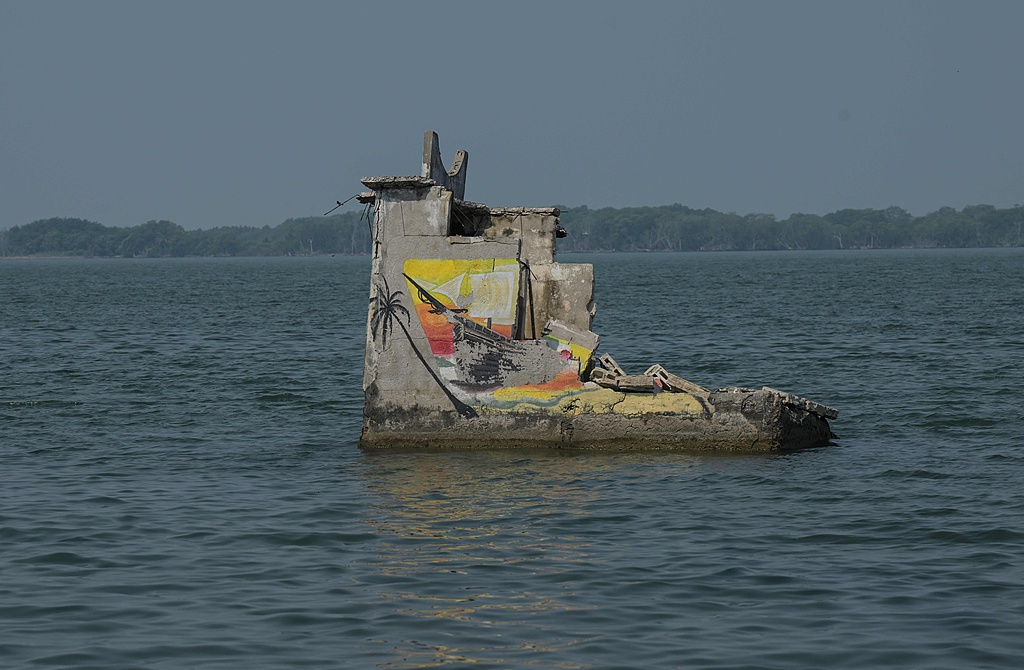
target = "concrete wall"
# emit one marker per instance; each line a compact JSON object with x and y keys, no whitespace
{"x":499,"y":287}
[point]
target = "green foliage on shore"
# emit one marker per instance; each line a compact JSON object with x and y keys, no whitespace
{"x":338,"y":234}
{"x":667,"y":228}
{"x":679,"y":228}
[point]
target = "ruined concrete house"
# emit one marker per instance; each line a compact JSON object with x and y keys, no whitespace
{"x":477,"y":337}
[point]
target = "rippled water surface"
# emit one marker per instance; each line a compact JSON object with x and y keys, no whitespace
{"x":180,"y":485}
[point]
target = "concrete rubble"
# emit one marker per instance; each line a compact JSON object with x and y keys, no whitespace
{"x":477,"y":338}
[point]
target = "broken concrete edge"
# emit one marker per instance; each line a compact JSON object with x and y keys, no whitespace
{"x":413,"y":182}
{"x":794,"y":401}
{"x":398,"y":182}
{"x":823,"y":411}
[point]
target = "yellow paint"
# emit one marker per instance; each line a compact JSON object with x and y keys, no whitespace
{"x":487,"y":287}
{"x":607,"y":401}
{"x":438,"y":270}
{"x":663,"y":403}
{"x":581,"y":353}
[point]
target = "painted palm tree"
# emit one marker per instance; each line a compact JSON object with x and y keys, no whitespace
{"x":386,"y":309}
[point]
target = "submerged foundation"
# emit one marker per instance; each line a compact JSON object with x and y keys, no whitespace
{"x":477,"y":338}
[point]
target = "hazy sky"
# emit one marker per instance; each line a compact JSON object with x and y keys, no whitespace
{"x":249,"y":113}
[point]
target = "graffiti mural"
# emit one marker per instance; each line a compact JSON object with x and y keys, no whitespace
{"x":467,"y":309}
{"x":386,"y":309}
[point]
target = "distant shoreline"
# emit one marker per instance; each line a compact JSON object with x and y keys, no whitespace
{"x":50,"y":257}
{"x":671,"y":228}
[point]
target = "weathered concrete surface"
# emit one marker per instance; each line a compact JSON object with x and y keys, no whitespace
{"x":741,"y":421}
{"x":477,"y":338}
{"x":453,"y":180}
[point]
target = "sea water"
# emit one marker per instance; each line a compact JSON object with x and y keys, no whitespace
{"x":181,"y":487}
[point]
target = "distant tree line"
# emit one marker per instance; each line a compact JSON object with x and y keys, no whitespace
{"x":667,"y":228}
{"x":679,"y":228}
{"x":345,"y":233}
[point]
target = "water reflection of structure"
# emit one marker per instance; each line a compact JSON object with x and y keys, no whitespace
{"x":482,"y":546}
